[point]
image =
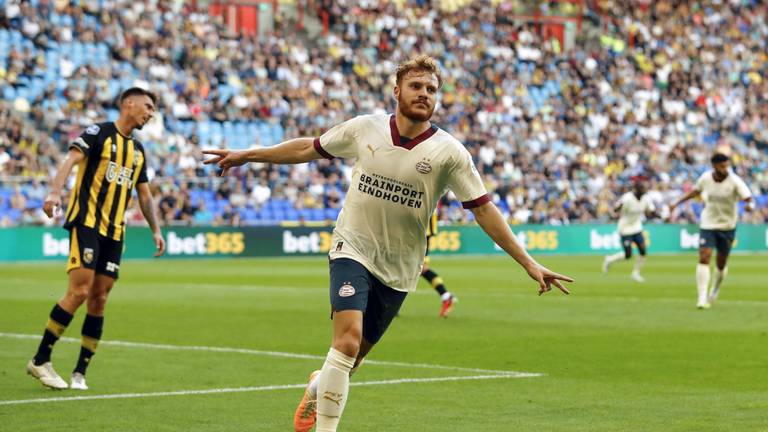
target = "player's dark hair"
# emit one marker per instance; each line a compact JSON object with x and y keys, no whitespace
{"x":719,"y":157}
{"x":136,"y":91}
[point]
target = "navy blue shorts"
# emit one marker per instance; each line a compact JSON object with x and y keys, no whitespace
{"x":717,"y":239}
{"x":627,"y":240}
{"x":353,"y":287}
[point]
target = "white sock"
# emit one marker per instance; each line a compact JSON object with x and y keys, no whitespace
{"x":702,"y":281}
{"x":355,"y":368}
{"x":639,"y":261}
{"x":719,"y":276}
{"x":618,"y":256}
{"x":332,"y":390}
{"x":313,"y":386}
{"x":316,"y":379}
{"x":445,"y":296}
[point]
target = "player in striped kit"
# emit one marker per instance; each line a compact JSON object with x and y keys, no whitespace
{"x":447,"y":300}
{"x":111,"y":164}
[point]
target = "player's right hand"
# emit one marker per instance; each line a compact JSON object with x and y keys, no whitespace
{"x":670,"y":213}
{"x":546,"y":278}
{"x":225,"y":159}
{"x":52,"y":205}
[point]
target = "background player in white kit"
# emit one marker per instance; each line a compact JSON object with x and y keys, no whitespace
{"x":721,"y":190}
{"x":632,"y":207}
{"x":403,"y":166}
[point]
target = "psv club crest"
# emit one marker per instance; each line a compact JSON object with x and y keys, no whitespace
{"x":423,"y":166}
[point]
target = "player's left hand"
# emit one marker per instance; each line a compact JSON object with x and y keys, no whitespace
{"x":159,"y":243}
{"x":546,"y":278}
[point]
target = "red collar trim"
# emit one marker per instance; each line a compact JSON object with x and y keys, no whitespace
{"x":412,"y":143}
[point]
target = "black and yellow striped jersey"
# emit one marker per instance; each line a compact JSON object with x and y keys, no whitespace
{"x":432,"y":228}
{"x":113,"y":165}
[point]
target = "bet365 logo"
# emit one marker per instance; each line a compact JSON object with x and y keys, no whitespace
{"x":209,"y":243}
{"x":53,"y":246}
{"x":314,"y":242}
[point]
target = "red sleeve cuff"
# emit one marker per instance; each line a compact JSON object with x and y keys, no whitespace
{"x":321,"y":150}
{"x":476,"y":202}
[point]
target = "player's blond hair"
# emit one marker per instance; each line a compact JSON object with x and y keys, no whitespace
{"x":419,"y":63}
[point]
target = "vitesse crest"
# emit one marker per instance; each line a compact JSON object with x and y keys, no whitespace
{"x":423,"y":166}
{"x":87,"y":255}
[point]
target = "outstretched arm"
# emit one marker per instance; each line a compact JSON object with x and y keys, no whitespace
{"x":692,"y":194}
{"x":148,"y":210}
{"x":294,"y":151}
{"x":53,"y":200}
{"x":750,"y":201}
{"x":616,"y":209}
{"x":492,"y":222}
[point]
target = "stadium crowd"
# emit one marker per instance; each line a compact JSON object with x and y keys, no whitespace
{"x":650,"y":88}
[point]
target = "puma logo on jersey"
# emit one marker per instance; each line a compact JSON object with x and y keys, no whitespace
{"x":373,"y":150}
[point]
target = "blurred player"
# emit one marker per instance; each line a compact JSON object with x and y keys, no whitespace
{"x":403,"y":165}
{"x":110,"y":163}
{"x":632,"y":207}
{"x":447,"y":299}
{"x":721,"y":190}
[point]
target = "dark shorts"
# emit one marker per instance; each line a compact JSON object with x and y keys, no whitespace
{"x":91,"y":250}
{"x":353,"y":287}
{"x":637,"y":238}
{"x":717,"y":239}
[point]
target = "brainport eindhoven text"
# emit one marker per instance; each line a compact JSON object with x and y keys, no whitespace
{"x":390,"y":191}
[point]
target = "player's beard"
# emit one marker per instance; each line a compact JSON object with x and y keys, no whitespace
{"x":411,"y":114}
{"x":140,"y":124}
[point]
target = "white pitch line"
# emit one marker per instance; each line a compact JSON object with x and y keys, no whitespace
{"x":275,"y":354}
{"x":256,"y":389}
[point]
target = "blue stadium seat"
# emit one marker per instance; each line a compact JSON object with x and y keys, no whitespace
{"x":317,"y":214}
{"x":22,"y":92}
{"x":37,"y":87}
{"x":291,"y":215}
{"x":248,"y":215}
{"x":266,"y":215}
{"x":277,"y":133}
{"x":9,"y":92}
{"x":331,"y":213}
{"x":12,"y":214}
{"x":305,"y":214}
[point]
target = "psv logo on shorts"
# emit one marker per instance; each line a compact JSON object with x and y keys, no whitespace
{"x":346,"y":290}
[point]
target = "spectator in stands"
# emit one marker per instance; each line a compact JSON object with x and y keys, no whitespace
{"x":201,"y":215}
{"x":18,"y":200}
{"x":261,"y":192}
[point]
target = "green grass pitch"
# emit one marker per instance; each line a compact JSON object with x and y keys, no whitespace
{"x":614,"y":356}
